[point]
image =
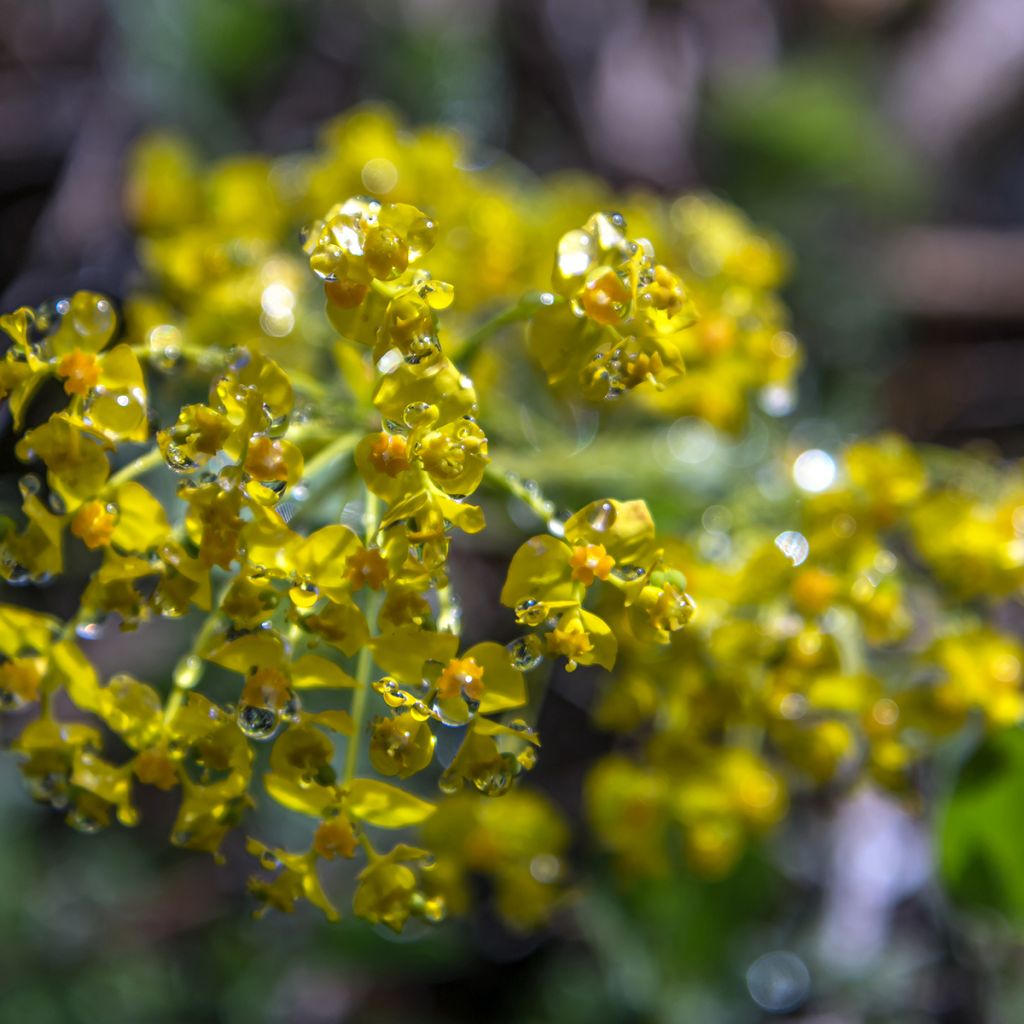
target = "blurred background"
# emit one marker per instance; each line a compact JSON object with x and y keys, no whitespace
{"x":881,"y":139}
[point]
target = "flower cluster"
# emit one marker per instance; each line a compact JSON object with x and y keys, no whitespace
{"x":818,"y":658}
{"x":293,"y":486}
{"x":217,"y":243}
{"x":319,"y":633}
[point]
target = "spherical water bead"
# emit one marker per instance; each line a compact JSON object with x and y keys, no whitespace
{"x":51,"y":788}
{"x":779,"y":981}
{"x":601,"y":516}
{"x":178,"y":459}
{"x":10,"y":701}
{"x":433,"y":910}
{"x":420,"y":237}
{"x":496,"y":778}
{"x":165,"y":346}
{"x":91,"y":629}
{"x":92,"y":316}
{"x":29,"y":485}
{"x":420,"y":414}
{"x":326,"y":260}
{"x":390,"y":691}
{"x":16,"y":574}
{"x":82,"y":822}
{"x":629,"y":573}
{"x":794,"y":546}
{"x":522,"y":727}
{"x":450,"y":782}
{"x":256,"y":722}
{"x":576,"y":252}
{"x":531,"y":612}
{"x":419,"y":711}
{"x":390,"y":361}
{"x":455,"y":711}
{"x":525,"y":653}
{"x":58,"y":506}
{"x":292,"y":709}
{"x":305,"y":594}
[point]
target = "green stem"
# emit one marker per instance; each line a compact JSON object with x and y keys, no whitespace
{"x":364,"y":666}
{"x":522,"y":310}
{"x":190,"y":667}
{"x":530,"y":496}
{"x":330,"y":456}
{"x":136,"y":468}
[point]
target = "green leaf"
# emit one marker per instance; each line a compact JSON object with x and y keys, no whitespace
{"x":981,"y":829}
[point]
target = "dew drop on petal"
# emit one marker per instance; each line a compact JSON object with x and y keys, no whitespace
{"x":256,"y":722}
{"x":601,"y":516}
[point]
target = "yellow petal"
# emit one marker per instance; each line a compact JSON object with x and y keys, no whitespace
{"x":312,"y":671}
{"x":386,"y":806}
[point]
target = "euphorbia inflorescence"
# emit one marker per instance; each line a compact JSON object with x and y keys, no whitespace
{"x":293,"y":485}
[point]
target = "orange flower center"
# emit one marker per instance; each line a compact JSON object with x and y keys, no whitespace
{"x":155,"y":768}
{"x":604,"y":297}
{"x":265,"y":460}
{"x":461,"y":675}
{"x":93,"y":524}
{"x":81,"y":372}
{"x":266,"y":688}
{"x":590,"y":562}
{"x":570,"y":643}
{"x":389,"y":454}
{"x":367,"y":569}
{"x":335,"y":838}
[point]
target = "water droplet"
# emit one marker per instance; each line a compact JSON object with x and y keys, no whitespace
{"x":531,"y":612}
{"x":256,"y":722}
{"x":292,"y":709}
{"x":778,"y":982}
{"x":496,"y":778}
{"x":29,"y":484}
{"x":419,"y":711}
{"x":82,"y":822}
{"x":178,"y":459}
{"x":10,"y":701}
{"x":525,"y":653}
{"x":545,"y":868}
{"x":390,"y":361}
{"x":601,"y":516}
{"x":57,"y":504}
{"x":455,"y":711}
{"x":419,"y":414}
{"x":450,"y":782}
{"x":629,"y":573}
{"x":794,"y":546}
{"x":91,"y":629}
{"x":305,"y":595}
